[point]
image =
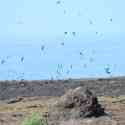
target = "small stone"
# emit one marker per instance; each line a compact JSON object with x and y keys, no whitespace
{"x":17,"y":115}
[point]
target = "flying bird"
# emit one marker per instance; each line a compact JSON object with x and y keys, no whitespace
{"x":111,"y":20}
{"x":74,"y":33}
{"x":58,"y":2}
{"x":107,"y":70}
{"x":65,"y":33}
{"x":81,"y":53}
{"x":42,"y":47}
{"x":3,"y":61}
{"x":71,"y":66}
{"x":22,"y":59}
{"x":62,"y":43}
{"x":90,"y":22}
{"x":96,"y":33}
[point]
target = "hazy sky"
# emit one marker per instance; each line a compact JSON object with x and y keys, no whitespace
{"x":98,"y":24}
{"x":46,"y":18}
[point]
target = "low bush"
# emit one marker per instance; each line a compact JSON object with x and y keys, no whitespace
{"x":34,"y":120}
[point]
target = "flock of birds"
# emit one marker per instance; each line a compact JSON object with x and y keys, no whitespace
{"x":3,"y":61}
{"x":107,"y":69}
{"x":59,"y":69}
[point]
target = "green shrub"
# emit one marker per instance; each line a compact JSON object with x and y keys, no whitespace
{"x":34,"y":120}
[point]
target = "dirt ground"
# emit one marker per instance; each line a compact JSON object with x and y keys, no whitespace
{"x":37,"y":95}
{"x":15,"y":113}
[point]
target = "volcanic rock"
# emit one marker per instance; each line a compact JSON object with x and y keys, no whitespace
{"x":77,"y":104}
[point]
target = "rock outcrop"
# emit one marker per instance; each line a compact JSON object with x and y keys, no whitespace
{"x":77,"y":107}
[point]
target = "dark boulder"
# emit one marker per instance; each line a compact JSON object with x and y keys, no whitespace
{"x":76,"y":104}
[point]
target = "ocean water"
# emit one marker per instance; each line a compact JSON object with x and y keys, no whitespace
{"x":63,"y":57}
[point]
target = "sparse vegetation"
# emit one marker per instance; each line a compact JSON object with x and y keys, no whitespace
{"x":34,"y":120}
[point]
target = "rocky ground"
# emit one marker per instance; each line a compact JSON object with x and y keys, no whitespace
{"x":19,"y":99}
{"x":13,"y":114}
{"x":11,"y":89}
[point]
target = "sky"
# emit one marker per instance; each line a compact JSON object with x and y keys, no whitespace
{"x":43,"y":39}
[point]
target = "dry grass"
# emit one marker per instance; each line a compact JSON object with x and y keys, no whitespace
{"x":11,"y":113}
